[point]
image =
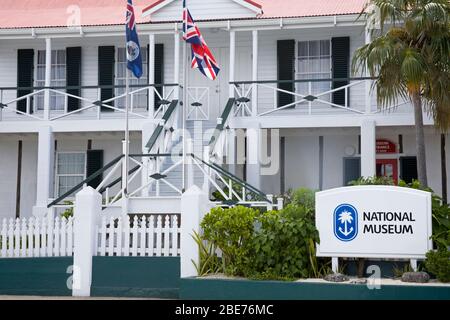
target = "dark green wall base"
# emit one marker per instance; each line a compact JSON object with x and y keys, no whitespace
{"x":216,"y":289}
{"x":35,"y":276}
{"x":155,"y":277}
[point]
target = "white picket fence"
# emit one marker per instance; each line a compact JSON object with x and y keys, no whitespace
{"x":154,"y":235}
{"x":36,"y":237}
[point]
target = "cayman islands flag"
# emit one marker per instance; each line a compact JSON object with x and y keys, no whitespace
{"x":134,"y":56}
{"x":202,"y":58}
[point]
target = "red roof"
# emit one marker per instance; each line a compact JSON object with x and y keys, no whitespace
{"x":57,"y":13}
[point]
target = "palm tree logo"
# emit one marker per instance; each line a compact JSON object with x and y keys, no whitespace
{"x":345,"y":222}
{"x":345,"y":218}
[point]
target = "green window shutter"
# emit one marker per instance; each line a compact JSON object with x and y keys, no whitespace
{"x":25,"y":71}
{"x":106,"y":64}
{"x":286,"y":70}
{"x":73,"y":76}
{"x":94,"y":162}
{"x":341,"y":69}
{"x":159,"y":70}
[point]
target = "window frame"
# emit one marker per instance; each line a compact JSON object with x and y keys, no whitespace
{"x":143,"y":79}
{"x":311,"y":75}
{"x":41,"y":82}
{"x":58,"y":175}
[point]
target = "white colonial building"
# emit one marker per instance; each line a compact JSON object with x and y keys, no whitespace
{"x":286,"y":109}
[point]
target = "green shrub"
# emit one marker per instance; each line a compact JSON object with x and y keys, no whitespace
{"x":209,"y":262}
{"x":369,"y":181}
{"x":231,"y":230}
{"x":438,"y":263}
{"x":284,"y":244}
{"x":305,"y":200}
{"x":69,"y":211}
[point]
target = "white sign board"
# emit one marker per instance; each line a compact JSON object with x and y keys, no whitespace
{"x":374,"y":222}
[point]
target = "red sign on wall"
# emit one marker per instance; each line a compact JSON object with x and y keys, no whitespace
{"x":385,"y":146}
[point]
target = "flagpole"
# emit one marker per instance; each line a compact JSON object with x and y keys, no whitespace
{"x":127,"y":132}
{"x":185,"y":102}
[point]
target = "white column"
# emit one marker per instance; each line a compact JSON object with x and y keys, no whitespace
{"x":147,"y":131}
{"x":232,"y":61}
{"x":368,"y":148}
{"x":151,"y":75}
{"x":88,"y":207}
{"x":176,"y":76}
{"x":194,"y":205}
{"x":253,"y":164}
{"x":231,"y":152}
{"x":368,"y":83}
{"x":46,"y":150}
{"x":48,"y":76}
{"x":255,"y":74}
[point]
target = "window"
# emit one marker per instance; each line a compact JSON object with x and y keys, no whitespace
{"x":140,"y":99}
{"x":314,"y":62}
{"x":58,"y":78}
{"x":70,"y":170}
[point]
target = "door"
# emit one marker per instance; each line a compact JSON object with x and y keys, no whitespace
{"x":388,"y":168}
{"x":352,"y":170}
{"x":205,"y":101}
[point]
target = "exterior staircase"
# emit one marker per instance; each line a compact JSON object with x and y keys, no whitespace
{"x":200,"y":133}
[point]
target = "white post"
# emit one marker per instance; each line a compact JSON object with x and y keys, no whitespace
{"x":232,"y":61}
{"x":413,"y":263}
{"x":255,"y":74}
{"x":189,"y":163}
{"x":194,"y":204}
{"x":253,"y":163}
{"x":368,"y":83}
{"x":151,"y":76}
{"x":280,"y":203}
{"x":368,"y":148}
{"x":88,"y":207}
{"x":231,"y":152}
{"x":46,"y":150}
{"x":125,"y":146}
{"x":48,"y":77}
{"x":335,"y":264}
{"x":176,"y":76}
{"x":206,"y":182}
{"x":147,"y":130}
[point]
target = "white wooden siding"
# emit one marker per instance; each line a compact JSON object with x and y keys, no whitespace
{"x":216,"y":9}
{"x":215,"y":38}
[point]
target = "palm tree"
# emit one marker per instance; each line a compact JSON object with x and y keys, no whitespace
{"x":410,"y":60}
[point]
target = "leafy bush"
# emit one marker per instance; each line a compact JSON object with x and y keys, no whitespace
{"x":369,"y":181}
{"x":231,"y":230}
{"x":271,"y":245}
{"x":284,"y":244}
{"x":305,"y":199}
{"x":209,"y":261}
{"x":438,"y":263}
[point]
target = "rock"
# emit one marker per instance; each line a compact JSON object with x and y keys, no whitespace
{"x":336,"y":277}
{"x":359,"y":281}
{"x":417,"y":277}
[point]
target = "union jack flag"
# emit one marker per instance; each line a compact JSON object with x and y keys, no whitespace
{"x":202,"y":58}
